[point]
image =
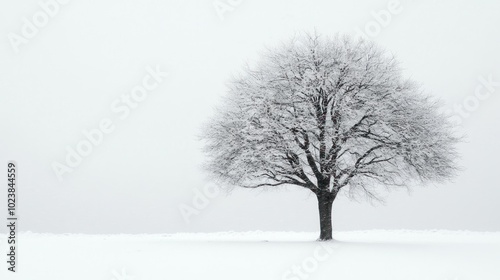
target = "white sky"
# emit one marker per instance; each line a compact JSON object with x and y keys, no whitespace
{"x":64,"y":79}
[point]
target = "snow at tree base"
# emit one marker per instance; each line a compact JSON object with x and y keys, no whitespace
{"x":374,"y":255}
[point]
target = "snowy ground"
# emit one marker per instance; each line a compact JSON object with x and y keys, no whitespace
{"x":369,"y":255}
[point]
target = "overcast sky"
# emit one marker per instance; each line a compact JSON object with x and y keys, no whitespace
{"x":71,"y":75}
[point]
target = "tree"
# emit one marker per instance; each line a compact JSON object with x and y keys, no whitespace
{"x":329,"y":114}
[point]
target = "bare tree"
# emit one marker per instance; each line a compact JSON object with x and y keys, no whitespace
{"x":329,"y":114}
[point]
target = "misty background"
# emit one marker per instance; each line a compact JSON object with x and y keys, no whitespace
{"x":65,"y":79}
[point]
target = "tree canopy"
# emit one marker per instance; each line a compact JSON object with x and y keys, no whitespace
{"x":327,"y":114}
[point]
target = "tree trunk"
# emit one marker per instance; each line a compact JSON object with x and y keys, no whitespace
{"x":325,"y":202}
